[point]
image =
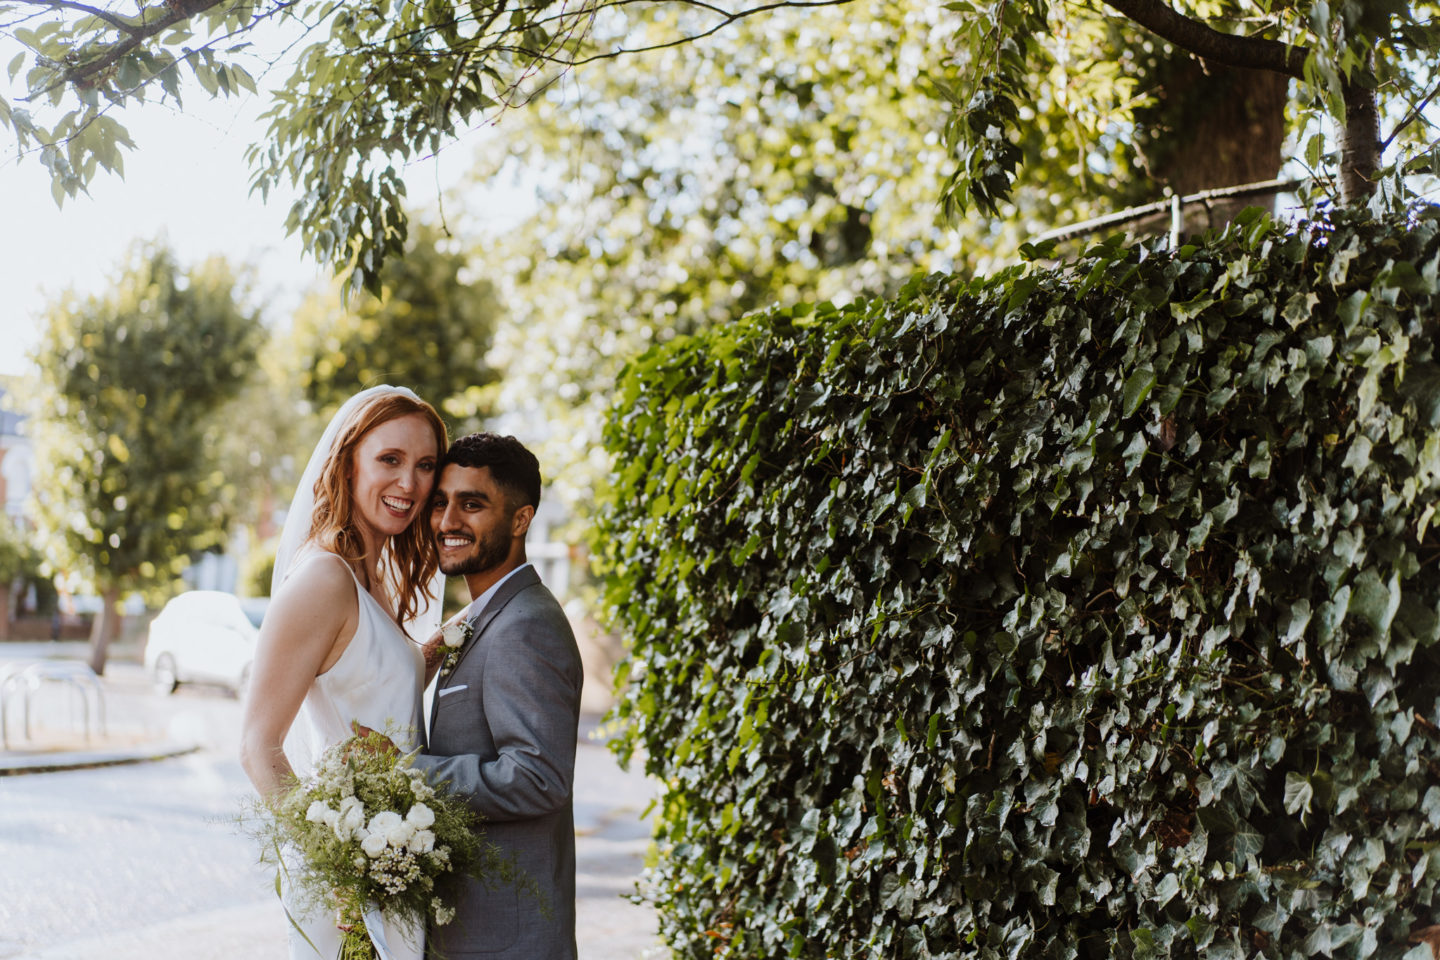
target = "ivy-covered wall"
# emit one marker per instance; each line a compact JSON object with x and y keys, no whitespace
{"x":1087,"y":611}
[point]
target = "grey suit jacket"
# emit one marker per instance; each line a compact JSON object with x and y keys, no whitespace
{"x":507,"y":743}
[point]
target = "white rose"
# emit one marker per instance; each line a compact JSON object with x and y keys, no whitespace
{"x":373,"y":845}
{"x":453,"y":633}
{"x":400,"y":834}
{"x":385,"y":821}
{"x":316,"y":813}
{"x":422,"y":842}
{"x":421,"y":816}
{"x":352,"y":814}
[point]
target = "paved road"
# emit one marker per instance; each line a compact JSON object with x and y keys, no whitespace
{"x":145,"y":862}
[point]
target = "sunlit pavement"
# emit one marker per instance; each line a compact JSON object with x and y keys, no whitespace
{"x":145,"y":860}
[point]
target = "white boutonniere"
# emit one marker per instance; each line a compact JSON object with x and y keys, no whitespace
{"x":453,"y":637}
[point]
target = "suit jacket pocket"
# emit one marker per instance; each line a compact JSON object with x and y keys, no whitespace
{"x":458,"y":694}
{"x":487,"y":922}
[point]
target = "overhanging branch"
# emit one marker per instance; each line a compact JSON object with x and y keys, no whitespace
{"x":727,"y":17}
{"x":105,"y":15}
{"x":135,"y":36}
{"x":1253,"y":53}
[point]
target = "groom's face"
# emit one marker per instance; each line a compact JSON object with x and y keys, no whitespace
{"x":472,"y":523}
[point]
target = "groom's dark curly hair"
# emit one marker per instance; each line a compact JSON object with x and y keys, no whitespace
{"x":515,"y":469}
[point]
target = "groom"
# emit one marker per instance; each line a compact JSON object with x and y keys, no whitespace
{"x":506,"y":713}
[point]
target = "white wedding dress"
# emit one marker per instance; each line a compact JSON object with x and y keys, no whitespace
{"x":378,"y":680}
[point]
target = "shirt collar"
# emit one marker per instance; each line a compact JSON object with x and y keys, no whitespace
{"x":478,"y":604}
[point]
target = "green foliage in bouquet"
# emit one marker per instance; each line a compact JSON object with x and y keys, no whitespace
{"x":1080,"y":611}
{"x":367,"y":830}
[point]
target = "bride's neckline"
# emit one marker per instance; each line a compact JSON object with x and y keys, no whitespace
{"x":364,"y":591}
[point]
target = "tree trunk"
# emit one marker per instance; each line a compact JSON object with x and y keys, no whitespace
{"x":1213,"y":126}
{"x":105,"y":628}
{"x":1359,"y":145}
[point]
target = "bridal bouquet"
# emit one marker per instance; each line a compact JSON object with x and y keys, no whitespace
{"x":374,"y":840}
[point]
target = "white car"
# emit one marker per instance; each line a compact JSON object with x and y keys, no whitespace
{"x":203,"y":636}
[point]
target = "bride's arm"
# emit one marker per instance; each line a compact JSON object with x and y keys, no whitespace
{"x":306,"y":629}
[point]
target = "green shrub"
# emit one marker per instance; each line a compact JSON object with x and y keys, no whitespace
{"x":258,"y":568}
{"x":1082,"y":611}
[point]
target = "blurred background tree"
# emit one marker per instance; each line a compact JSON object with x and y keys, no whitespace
{"x":428,"y":329}
{"x":791,"y":157}
{"x":262,"y":453}
{"x":136,"y":398}
{"x":20,"y":562}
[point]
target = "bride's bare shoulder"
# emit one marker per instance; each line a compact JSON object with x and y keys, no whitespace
{"x":320,"y":588}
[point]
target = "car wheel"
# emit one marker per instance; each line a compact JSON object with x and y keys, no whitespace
{"x":164,"y":675}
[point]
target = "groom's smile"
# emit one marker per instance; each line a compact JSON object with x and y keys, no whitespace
{"x":471,"y":521}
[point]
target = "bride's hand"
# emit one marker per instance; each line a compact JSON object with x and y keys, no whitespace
{"x":369,"y":741}
{"x":435,"y":649}
{"x":433,"y":652}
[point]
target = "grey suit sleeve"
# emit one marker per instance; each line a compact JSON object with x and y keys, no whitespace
{"x":531,"y":692}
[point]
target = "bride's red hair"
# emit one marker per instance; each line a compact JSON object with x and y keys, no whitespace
{"x":409,"y":557}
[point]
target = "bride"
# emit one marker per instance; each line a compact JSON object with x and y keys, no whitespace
{"x":352,"y":567}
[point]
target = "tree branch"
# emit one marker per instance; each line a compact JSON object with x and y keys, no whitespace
{"x":1416,"y":113}
{"x":727,"y":17}
{"x":1254,"y":53}
{"x":136,"y":36}
{"x":105,"y":15}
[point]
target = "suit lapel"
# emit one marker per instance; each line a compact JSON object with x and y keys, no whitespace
{"x":482,"y":619}
{"x":479,"y":621}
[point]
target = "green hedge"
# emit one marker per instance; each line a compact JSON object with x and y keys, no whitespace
{"x":1087,"y":611}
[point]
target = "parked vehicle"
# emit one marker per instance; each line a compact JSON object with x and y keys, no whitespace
{"x":204,"y":636}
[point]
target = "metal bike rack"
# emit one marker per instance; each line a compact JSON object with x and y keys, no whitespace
{"x":26,"y":679}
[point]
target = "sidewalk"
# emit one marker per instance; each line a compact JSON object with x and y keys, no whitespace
{"x":611,"y":837}
{"x":133,"y":730}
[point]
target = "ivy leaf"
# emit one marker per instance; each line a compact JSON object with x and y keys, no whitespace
{"x":1298,"y":793}
{"x":1137,"y":387}
{"x":1430,"y":806}
{"x":1375,"y":601}
{"x":1422,"y":384}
